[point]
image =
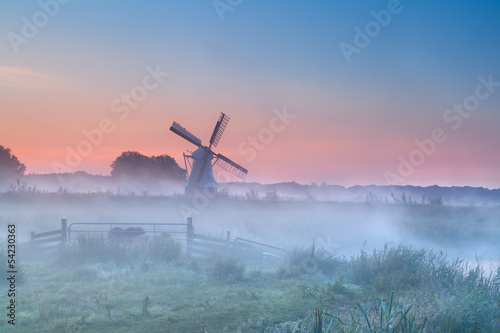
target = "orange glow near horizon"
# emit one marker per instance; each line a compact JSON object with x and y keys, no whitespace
{"x":78,"y":95}
{"x":294,"y":154}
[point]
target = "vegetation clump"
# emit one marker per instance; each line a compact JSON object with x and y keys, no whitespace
{"x":309,"y":261}
{"x":443,"y":295}
{"x":91,"y":249}
{"x":134,"y":164}
{"x":393,"y":267}
{"x":159,"y":250}
{"x":227,"y":269}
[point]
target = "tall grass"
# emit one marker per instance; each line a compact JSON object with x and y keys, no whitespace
{"x":93,"y":295}
{"x":390,"y":318}
{"x":227,"y":269}
{"x":309,"y":260}
{"x":474,"y":305}
{"x":454,"y":296}
{"x":90,"y":249}
{"x":394,"y":267}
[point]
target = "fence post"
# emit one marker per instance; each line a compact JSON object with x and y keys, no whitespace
{"x":64,"y":231}
{"x":228,"y":241}
{"x":189,"y":236}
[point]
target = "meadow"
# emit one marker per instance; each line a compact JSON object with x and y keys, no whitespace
{"x":350,"y":267}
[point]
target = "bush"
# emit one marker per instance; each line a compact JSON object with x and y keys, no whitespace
{"x":227,"y":269}
{"x":159,"y":250}
{"x":90,"y":249}
{"x":309,"y":261}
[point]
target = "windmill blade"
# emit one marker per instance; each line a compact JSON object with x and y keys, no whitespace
{"x":182,"y":132}
{"x":219,"y":129}
{"x":230,"y":166}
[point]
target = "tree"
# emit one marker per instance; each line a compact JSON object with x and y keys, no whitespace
{"x":134,"y":164}
{"x":9,"y":164}
{"x":167,"y":167}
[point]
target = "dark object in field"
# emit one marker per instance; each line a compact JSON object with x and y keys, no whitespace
{"x":129,"y":233}
{"x":164,"y":236}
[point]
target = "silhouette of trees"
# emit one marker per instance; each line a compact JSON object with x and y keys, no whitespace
{"x":168,"y":167}
{"x":9,"y":164}
{"x":135,"y":165}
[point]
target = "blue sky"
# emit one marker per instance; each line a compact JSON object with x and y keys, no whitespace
{"x":354,"y":119}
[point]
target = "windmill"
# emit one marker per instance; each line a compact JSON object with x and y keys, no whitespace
{"x":201,"y":176}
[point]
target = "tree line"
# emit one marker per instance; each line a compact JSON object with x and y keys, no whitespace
{"x":131,"y":164}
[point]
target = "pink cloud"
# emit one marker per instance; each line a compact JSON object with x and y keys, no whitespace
{"x":26,"y":78}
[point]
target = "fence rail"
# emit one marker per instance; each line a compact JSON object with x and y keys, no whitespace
{"x":41,"y":237}
{"x":196,"y":244}
{"x":154,"y":230}
{"x":257,"y":243}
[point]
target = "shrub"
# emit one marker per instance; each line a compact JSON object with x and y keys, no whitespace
{"x":159,"y":250}
{"x":309,"y":261}
{"x":91,"y":249}
{"x":227,"y":269}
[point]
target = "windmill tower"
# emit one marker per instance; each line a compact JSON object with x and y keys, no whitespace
{"x":201,"y":161}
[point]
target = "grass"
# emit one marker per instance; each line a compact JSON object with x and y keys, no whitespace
{"x":97,"y":286}
{"x":83,"y":290}
{"x":227,"y":269}
{"x":309,"y":260}
{"x":448,"y":296}
{"x":91,"y":249}
{"x":397,"y":267}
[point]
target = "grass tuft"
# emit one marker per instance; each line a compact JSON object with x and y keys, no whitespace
{"x":227,"y":269}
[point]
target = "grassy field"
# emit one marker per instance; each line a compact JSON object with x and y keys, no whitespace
{"x":345,"y":263}
{"x":139,"y":289}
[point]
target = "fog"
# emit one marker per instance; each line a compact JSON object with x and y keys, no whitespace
{"x":249,"y":249}
{"x":285,"y":215}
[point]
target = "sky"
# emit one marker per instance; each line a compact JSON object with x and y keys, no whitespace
{"x":342,"y":92}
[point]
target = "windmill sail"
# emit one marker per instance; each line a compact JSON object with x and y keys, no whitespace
{"x":230,"y":166}
{"x":201,"y":176}
{"x":184,"y":133}
{"x":219,"y":129}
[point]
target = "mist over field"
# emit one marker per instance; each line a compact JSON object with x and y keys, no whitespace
{"x":132,"y":251}
{"x":313,"y":245}
{"x":343,"y":220}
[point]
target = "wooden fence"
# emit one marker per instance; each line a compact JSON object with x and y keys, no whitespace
{"x":206,"y":245}
{"x":196,"y":244}
{"x":48,"y":237}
